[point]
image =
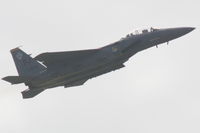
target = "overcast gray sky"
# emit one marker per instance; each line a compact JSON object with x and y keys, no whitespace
{"x":157,"y":91}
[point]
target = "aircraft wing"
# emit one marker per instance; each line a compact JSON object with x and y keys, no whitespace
{"x":52,"y":58}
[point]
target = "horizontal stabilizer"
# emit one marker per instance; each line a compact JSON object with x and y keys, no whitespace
{"x":16,"y":79}
{"x":31,"y":93}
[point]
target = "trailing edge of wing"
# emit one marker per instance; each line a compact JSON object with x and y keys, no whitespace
{"x":63,"y":57}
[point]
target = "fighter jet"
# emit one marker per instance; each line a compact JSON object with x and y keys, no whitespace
{"x":74,"y":68}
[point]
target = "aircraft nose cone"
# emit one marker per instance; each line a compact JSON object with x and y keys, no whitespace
{"x":184,"y":30}
{"x":174,"y":33}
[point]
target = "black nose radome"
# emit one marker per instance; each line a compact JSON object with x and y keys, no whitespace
{"x":187,"y":29}
{"x":178,"y":32}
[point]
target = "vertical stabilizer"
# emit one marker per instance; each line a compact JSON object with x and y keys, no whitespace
{"x":25,"y":64}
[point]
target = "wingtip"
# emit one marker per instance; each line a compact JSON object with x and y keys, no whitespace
{"x":4,"y":78}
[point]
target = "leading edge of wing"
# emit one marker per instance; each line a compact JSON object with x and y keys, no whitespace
{"x":50,"y":58}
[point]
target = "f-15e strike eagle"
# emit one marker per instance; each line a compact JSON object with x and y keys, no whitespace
{"x":74,"y":68}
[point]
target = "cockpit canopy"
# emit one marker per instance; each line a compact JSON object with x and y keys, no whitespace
{"x":137,"y":32}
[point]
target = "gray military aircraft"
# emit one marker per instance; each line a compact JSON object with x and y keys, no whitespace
{"x":74,"y":68}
